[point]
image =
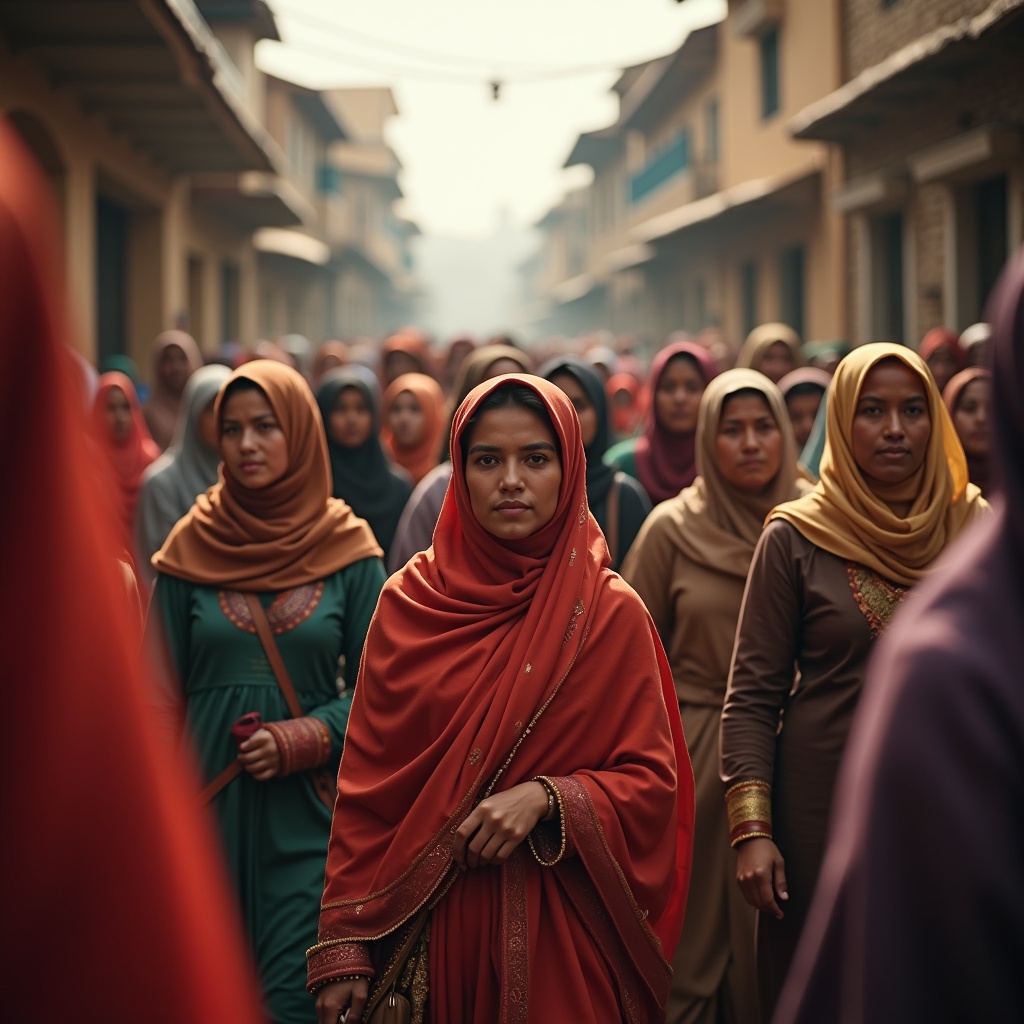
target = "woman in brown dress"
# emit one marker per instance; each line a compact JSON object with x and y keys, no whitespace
{"x":829,"y":572}
{"x":689,"y":564}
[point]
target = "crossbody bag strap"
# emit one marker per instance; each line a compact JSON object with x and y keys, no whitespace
{"x":388,"y":981}
{"x":259,"y":617}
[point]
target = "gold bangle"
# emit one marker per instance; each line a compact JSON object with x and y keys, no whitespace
{"x":750,"y":810}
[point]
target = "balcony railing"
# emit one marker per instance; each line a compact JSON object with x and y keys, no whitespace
{"x":670,"y":162}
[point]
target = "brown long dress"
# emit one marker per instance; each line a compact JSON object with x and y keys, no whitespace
{"x":809,"y":607}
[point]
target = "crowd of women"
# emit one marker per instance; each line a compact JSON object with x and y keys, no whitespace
{"x":433,"y":630}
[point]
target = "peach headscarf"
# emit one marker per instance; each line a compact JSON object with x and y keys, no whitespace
{"x":277,"y":537}
{"x":421,"y":458}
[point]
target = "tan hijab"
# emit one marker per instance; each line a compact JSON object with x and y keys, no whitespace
{"x":277,"y":537}
{"x":851,"y":520}
{"x":761,"y":338}
{"x":717,"y":525}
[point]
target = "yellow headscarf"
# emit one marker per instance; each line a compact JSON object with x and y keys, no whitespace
{"x":851,"y":520}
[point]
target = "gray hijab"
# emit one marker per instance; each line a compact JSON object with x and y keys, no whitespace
{"x":184,"y":471}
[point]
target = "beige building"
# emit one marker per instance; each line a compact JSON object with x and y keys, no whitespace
{"x":170,"y":157}
{"x":703,"y":210}
{"x":930,"y":125}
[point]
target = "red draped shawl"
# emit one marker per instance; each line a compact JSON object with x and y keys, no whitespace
{"x":486,"y":665}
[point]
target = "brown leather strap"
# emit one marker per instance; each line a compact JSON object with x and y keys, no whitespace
{"x":324,"y":783}
{"x":213,"y":787}
{"x":389,"y":980}
{"x":613,"y":517}
{"x":259,"y":617}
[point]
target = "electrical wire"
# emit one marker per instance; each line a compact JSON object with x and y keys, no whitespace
{"x":489,"y":77}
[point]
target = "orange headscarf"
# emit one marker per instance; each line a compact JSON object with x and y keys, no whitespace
{"x":420,"y":459}
{"x":97,"y":809}
{"x":277,"y":537}
{"x":127,"y":461}
{"x":465,"y":661}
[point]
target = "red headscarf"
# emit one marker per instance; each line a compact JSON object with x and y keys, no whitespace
{"x":941,"y":337}
{"x":624,"y":417}
{"x":113,"y":899}
{"x":421,"y":458}
{"x":127,"y":461}
{"x":666,"y":462}
{"x":486,"y":661}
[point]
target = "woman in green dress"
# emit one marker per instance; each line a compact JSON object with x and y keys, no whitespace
{"x":269,"y":527}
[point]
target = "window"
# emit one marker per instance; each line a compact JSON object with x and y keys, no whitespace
{"x":887,"y":278}
{"x":230,"y":302}
{"x":711,"y":131}
{"x":991,"y":217}
{"x":770,"y":73}
{"x":791,"y":288}
{"x":748,"y":295}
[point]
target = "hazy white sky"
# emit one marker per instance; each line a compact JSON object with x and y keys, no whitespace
{"x":466,"y":157}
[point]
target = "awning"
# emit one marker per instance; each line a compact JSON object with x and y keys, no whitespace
{"x":251,"y":200}
{"x":910,"y":73}
{"x":575,"y":288}
{"x":154,"y":71}
{"x":293,"y":245}
{"x":793,"y":190}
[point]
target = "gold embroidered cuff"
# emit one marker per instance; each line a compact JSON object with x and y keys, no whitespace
{"x":750,"y":810}
{"x":331,"y":961}
{"x":303,"y":743}
{"x":547,"y":845}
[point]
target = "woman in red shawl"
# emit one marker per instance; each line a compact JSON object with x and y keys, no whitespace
{"x":664,"y":457}
{"x":514,"y":760}
{"x":120,"y":430}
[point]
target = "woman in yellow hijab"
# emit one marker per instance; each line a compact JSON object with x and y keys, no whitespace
{"x":829,"y":571}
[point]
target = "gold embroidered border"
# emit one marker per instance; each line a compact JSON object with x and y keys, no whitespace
{"x":876,"y":597}
{"x":515,"y":943}
{"x":327,"y":962}
{"x":603,"y":897}
{"x":303,"y":743}
{"x":289,"y":609}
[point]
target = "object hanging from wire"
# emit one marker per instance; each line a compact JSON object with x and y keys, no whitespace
{"x":495,"y":91}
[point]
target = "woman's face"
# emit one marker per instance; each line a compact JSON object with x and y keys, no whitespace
{"x":513,"y":472}
{"x":208,"y":425}
{"x":971,"y":419}
{"x":585,"y":410}
{"x":803,"y":410}
{"x":351,"y":421}
{"x":777,"y":361}
{"x":677,"y":396}
{"x":174,"y":369}
{"x":252,"y":443}
{"x":891,"y":424}
{"x":119,"y":415}
{"x":942,"y":363}
{"x":748,"y":445}
{"x":406,"y":420}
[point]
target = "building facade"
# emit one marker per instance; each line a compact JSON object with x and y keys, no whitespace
{"x":929,"y":122}
{"x":170,"y":155}
{"x":704,"y":211}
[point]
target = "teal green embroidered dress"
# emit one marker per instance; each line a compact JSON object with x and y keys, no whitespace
{"x":274,"y":833}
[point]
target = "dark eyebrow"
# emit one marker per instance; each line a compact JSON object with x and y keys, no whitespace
{"x":535,"y":447}
{"x":255,"y":419}
{"x":876,"y":398}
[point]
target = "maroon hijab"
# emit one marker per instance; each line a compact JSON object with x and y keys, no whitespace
{"x":667,"y":462}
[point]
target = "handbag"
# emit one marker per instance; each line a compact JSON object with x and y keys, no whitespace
{"x":324,"y":782}
{"x":389,"y":1001}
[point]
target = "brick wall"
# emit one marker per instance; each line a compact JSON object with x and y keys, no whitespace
{"x":871,"y":32}
{"x":992,"y":92}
